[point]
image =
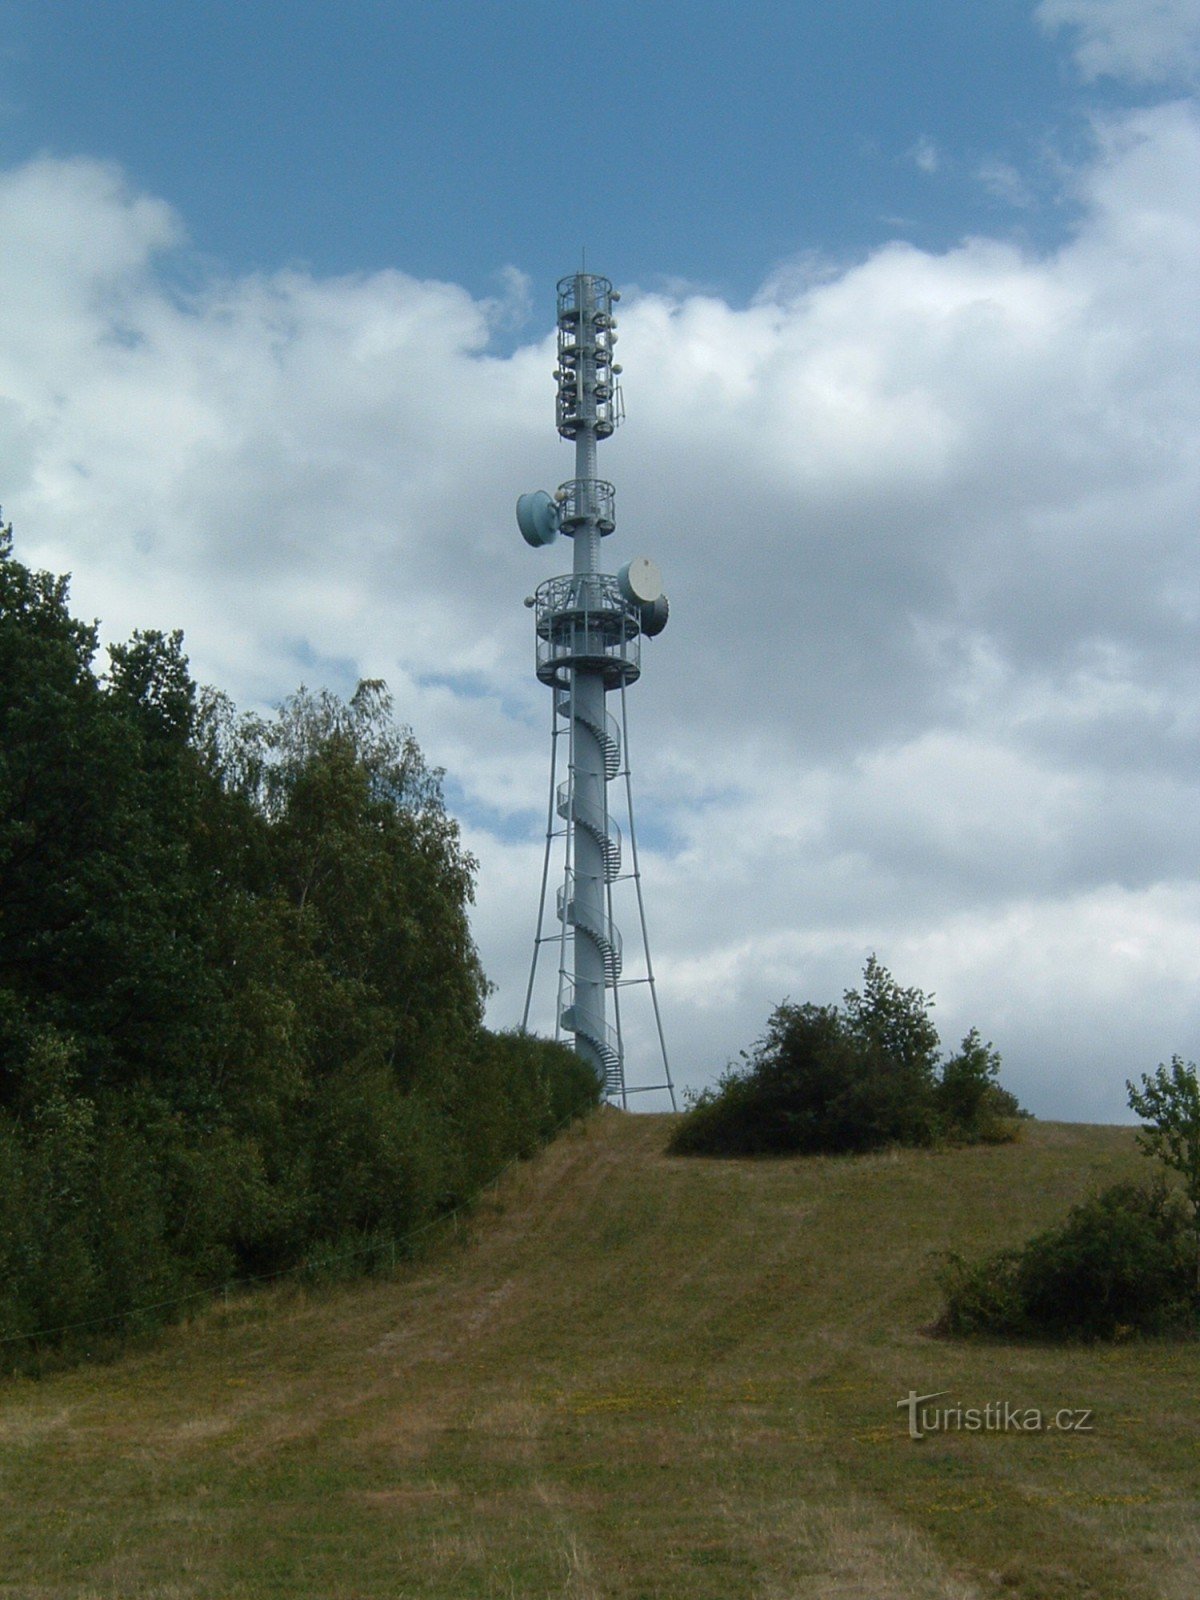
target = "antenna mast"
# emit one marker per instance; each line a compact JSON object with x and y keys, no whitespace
{"x":589,"y":626}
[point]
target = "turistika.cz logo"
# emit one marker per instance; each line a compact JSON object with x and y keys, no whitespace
{"x":997,"y":1416}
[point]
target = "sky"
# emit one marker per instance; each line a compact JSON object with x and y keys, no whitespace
{"x":909,"y":330}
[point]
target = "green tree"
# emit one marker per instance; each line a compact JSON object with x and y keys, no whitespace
{"x":970,"y":1103}
{"x":370,"y":863}
{"x":894,"y":1021}
{"x":898,"y":1046}
{"x":1168,"y":1102}
{"x":101,"y":917}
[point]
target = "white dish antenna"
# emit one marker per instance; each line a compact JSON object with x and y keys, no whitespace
{"x":640,"y":581}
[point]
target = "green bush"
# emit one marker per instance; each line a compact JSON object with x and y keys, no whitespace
{"x":843,"y":1081}
{"x":517,"y":1091}
{"x":1121,"y":1263}
{"x":802,"y":1093}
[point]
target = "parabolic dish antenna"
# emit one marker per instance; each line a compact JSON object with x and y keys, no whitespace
{"x":640,"y":581}
{"x":537,"y":518}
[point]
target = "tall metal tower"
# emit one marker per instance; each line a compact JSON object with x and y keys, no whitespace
{"x":589,"y":627}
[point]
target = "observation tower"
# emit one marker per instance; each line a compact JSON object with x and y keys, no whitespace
{"x":589,"y":628}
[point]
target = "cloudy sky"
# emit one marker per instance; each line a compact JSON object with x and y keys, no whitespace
{"x":909,"y":327}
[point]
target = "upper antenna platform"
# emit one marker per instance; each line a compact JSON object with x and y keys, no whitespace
{"x":588,"y":392}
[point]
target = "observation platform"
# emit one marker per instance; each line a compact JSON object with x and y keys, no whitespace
{"x":583,"y":621}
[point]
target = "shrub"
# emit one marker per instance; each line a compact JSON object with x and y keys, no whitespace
{"x":824,"y":1079}
{"x":798,"y":1094}
{"x":1120,"y":1263}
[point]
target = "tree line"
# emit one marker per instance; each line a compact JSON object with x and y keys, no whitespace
{"x":241,"y":1012}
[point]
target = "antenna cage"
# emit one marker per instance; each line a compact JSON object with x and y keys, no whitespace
{"x":590,"y":500}
{"x":588,"y":393}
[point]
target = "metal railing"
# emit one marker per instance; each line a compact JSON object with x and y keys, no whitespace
{"x":595,"y":925}
{"x":583,"y":620}
{"x":600,"y":1035}
{"x":597,"y":822}
{"x":582,"y":498}
{"x":607,"y":733}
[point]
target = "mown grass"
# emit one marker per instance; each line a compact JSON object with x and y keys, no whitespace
{"x":640,"y":1377}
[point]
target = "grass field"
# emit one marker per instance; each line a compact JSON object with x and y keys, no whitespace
{"x":637,"y":1377}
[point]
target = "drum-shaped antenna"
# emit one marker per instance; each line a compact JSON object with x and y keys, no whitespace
{"x":654,"y":617}
{"x":537,"y":518}
{"x":640,"y":581}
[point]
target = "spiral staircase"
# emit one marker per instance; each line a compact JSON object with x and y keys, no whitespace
{"x":601,"y":1036}
{"x":607,"y":734}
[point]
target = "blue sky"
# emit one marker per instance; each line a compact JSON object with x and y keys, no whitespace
{"x":911,"y":355}
{"x":678,"y":139}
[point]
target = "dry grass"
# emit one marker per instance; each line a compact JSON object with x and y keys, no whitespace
{"x":638,"y":1377}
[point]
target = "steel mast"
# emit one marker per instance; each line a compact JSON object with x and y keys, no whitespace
{"x":589,"y":626}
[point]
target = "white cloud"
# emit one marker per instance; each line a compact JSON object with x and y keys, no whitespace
{"x":1143,"y":41}
{"x":924,"y":155}
{"x":927,"y":522}
{"x":1001,"y":179}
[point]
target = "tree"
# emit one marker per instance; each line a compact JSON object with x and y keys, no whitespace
{"x":370,"y":864}
{"x":894,"y":1021}
{"x":102,"y":917}
{"x":971,"y":1104}
{"x":899,"y":1048}
{"x":1169,"y":1103}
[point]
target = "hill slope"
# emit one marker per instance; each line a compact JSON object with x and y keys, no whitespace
{"x":638,"y":1377}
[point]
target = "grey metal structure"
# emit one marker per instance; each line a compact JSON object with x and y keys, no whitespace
{"x":589,"y":627}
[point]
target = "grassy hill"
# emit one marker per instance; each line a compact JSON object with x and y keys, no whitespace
{"x":637,"y":1377}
